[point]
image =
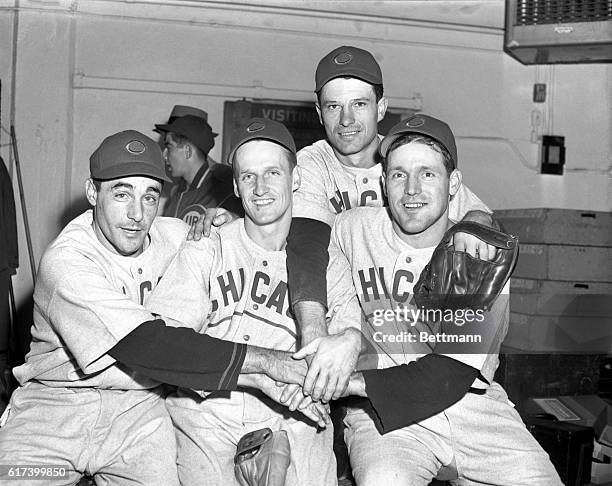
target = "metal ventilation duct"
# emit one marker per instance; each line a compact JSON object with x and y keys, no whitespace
{"x":559,"y":31}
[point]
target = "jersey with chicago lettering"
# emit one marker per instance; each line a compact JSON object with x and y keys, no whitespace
{"x":328,"y":187}
{"x":87,"y":298}
{"x":233,"y":289}
{"x":384,"y":270}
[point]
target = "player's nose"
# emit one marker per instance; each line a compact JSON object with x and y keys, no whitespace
{"x":135,"y":211}
{"x":412,"y":186}
{"x":260,"y":186}
{"x":347,"y":116}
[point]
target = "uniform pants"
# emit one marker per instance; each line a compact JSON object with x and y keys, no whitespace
{"x":482,"y":435}
{"x":122,"y":437}
{"x":208,"y":431}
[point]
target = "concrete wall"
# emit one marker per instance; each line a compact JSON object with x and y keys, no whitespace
{"x":86,"y":69}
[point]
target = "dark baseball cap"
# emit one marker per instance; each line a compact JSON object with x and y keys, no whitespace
{"x":424,"y":125}
{"x":348,"y":61}
{"x":261,"y":129}
{"x":196,"y":129}
{"x":128,"y":153}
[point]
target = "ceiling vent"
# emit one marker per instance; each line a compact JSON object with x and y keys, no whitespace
{"x":559,"y":31}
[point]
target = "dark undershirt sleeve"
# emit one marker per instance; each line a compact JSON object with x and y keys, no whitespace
{"x":307,"y":260}
{"x":181,"y":356}
{"x":406,"y":394}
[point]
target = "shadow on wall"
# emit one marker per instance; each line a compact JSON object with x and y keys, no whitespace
{"x":78,"y":206}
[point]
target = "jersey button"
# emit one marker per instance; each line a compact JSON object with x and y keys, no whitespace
{"x":265,"y":263}
{"x":246,"y":337}
{"x":140,"y":271}
{"x":365,"y":180}
{"x":255,"y":306}
{"x":408,"y":259}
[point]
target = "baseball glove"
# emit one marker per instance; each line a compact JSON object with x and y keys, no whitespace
{"x":455,"y":280}
{"x":262,"y":458}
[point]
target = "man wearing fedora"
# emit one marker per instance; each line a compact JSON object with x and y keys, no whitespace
{"x":203,"y":183}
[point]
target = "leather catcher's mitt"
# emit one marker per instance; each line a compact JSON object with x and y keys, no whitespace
{"x":262,"y":458}
{"x":455,"y":280}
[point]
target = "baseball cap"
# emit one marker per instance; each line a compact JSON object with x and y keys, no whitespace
{"x":127,"y":153}
{"x":350,"y":62}
{"x":195,"y":128}
{"x":261,"y":128}
{"x":424,"y":125}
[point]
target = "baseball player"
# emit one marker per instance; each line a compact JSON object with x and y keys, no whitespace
{"x":76,"y":407}
{"x":439,"y":411}
{"x":233,"y":286}
{"x":203,"y":183}
{"x":79,"y":406}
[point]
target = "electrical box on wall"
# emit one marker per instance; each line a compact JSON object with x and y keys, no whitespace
{"x":559,"y":31}
{"x":553,"y":154}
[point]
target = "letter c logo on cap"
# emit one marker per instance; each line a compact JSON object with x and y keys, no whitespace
{"x":255,"y":127}
{"x":135,"y":147}
{"x":343,"y":58}
{"x":415,"y":122}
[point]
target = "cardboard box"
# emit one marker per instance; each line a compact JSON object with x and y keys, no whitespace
{"x":591,"y":410}
{"x":559,"y":334}
{"x":559,"y":298}
{"x":558,"y":226}
{"x":564,"y":262}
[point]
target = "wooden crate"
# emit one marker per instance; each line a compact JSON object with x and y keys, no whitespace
{"x":558,"y":226}
{"x":564,"y":262}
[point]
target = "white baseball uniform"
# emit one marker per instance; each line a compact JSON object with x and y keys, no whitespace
{"x":77,"y":407}
{"x":481,"y":434}
{"x":329,"y":187}
{"x":233,"y":289}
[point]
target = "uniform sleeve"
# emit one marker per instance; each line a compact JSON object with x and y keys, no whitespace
{"x":307,"y":260}
{"x":343,"y":307}
{"x":89,"y":314}
{"x":183,"y":293}
{"x":406,"y":394}
{"x":181,"y":357}
{"x":311,"y":199}
{"x":463,"y":202}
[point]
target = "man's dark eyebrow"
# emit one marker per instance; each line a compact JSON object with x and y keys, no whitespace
{"x":122,"y":185}
{"x":154,"y":189}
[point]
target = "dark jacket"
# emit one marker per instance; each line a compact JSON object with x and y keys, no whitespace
{"x":9,"y":252}
{"x":209,"y":189}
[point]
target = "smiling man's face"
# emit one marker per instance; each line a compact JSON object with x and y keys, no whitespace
{"x":264,"y":180}
{"x":350,"y":114}
{"x":124,"y":210}
{"x":418,"y":187}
